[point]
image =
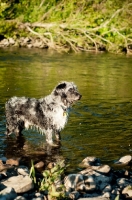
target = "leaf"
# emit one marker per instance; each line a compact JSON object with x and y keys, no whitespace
{"x":117,"y":197}
{"x":46,"y":173}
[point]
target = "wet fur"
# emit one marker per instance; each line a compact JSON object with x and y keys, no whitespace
{"x":48,"y":115}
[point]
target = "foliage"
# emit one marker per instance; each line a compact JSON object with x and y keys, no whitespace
{"x":32,"y":173}
{"x":72,"y":24}
{"x":117,"y":197}
{"x":50,"y":179}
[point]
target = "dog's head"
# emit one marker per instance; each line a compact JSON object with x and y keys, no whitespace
{"x":68,"y":93}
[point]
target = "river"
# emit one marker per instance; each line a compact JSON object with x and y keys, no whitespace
{"x":100,"y":124}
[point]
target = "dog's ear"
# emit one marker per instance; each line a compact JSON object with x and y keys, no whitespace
{"x":61,"y":86}
{"x":58,"y":88}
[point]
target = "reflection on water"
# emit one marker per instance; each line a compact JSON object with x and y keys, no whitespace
{"x":99,"y":125}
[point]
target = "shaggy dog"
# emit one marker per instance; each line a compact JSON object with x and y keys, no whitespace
{"x":48,"y":115}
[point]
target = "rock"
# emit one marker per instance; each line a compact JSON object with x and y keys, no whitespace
{"x":11,"y":41}
{"x":123,"y":182}
{"x":38,"y":43}
{"x":3,"y":159}
{"x":115,"y":191}
{"x":4,"y":43}
{"x":50,"y":165}
{"x":90,"y":161}
{"x":101,"y":181}
{"x":108,"y":188}
{"x":8,"y":193}
{"x":103,"y":169}
{"x":74,"y":195}
{"x":127,"y":190}
{"x":89,"y":182}
{"x":4,"y":168}
{"x":20,"y":198}
{"x":106,"y":194}
{"x":23,"y":170}
{"x":74,"y":182}
{"x":12,"y":162}
{"x":38,"y":194}
{"x":29,"y":46}
{"x":20,"y":183}
{"x":94,"y":198}
{"x":125,"y":160}
{"x":39,"y":165}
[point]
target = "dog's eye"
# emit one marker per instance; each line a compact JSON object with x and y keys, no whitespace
{"x":70,"y":90}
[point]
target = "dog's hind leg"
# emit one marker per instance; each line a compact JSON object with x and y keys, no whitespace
{"x":13,"y":126}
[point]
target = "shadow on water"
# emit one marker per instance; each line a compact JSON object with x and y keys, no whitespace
{"x":99,"y":125}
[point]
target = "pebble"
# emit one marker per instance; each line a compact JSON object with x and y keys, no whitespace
{"x":12,"y":162}
{"x":127,"y":190}
{"x":39,"y":165}
{"x":8,"y":193}
{"x":125,"y":160}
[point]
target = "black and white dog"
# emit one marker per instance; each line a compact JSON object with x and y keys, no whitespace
{"x":48,"y":115}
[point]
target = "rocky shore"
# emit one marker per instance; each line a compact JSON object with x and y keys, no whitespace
{"x":95,"y":181}
{"x":24,"y":42}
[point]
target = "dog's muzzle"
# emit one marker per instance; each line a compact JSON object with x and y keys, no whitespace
{"x":80,"y":96}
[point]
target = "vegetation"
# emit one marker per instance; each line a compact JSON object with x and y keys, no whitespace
{"x":70,"y":24}
{"x":50,"y":183}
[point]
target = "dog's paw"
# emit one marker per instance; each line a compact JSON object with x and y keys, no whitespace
{"x":54,"y":144}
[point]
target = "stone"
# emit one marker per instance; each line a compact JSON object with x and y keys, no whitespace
{"x":8,"y":193}
{"x":39,"y":165}
{"x":23,"y":170}
{"x":20,"y":198}
{"x":4,"y":43}
{"x":50,"y":165}
{"x":108,"y":188}
{"x":29,"y":46}
{"x":115,"y":191}
{"x":94,"y":198}
{"x":20,"y":183}
{"x":74,"y":195}
{"x":11,"y":41}
{"x":105,"y":169}
{"x":127,"y":190}
{"x":101,"y":181}
{"x":123,"y":182}
{"x":106,"y":194}
{"x":74,"y":182}
{"x":89,"y":182}
{"x":12,"y":162}
{"x":3,"y":159}
{"x":125,"y":160}
{"x":90,"y":161}
{"x":4,"y":168}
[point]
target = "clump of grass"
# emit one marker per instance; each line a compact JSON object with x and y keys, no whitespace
{"x":50,"y":183}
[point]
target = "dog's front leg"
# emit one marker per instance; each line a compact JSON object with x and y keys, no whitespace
{"x":58,"y":136}
{"x":49,"y":136}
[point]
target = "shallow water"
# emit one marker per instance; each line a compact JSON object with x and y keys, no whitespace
{"x":99,"y":125}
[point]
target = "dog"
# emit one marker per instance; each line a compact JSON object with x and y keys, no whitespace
{"x":48,"y":115}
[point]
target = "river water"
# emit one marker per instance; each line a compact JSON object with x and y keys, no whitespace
{"x":100,"y":124}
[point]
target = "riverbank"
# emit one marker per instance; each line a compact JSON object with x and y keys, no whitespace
{"x":69,"y":25}
{"x":95,"y":181}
